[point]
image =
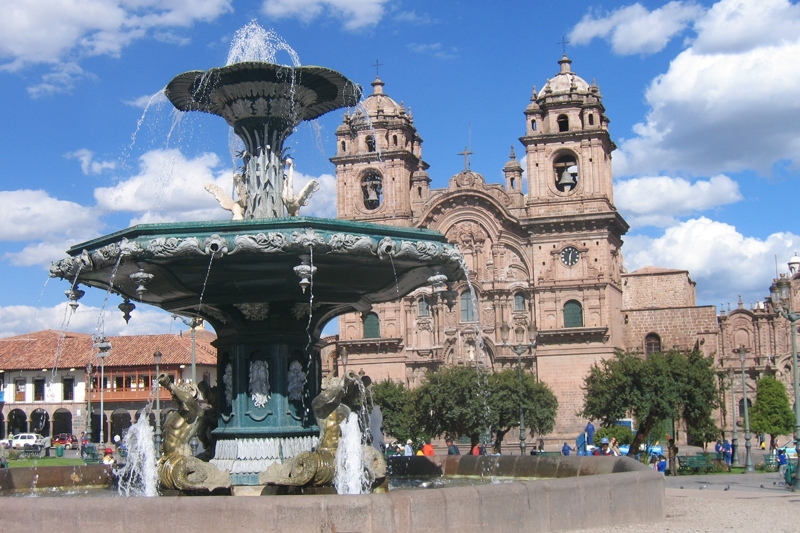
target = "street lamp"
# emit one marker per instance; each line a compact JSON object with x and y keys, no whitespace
{"x":89,"y":400}
{"x":780,"y":292}
{"x":157,"y":358}
{"x":192,"y":322}
{"x":519,"y":349}
{"x":104,"y":346}
{"x":735,"y":437}
{"x":748,"y":459}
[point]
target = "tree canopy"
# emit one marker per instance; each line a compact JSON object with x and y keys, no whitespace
{"x":539,"y":404}
{"x":395,"y":403}
{"x":669,"y":385}
{"x":771,"y":413}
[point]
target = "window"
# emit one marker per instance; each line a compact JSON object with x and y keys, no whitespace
{"x":372,"y":187}
{"x":370,"y":140}
{"x":372,"y":326}
{"x":533,"y":125}
{"x":344,"y":146}
{"x":573,"y":314}
{"x":652,"y":344}
{"x":424,"y":308}
{"x":563,"y":123}
{"x":394,"y":139}
{"x":68,"y":387}
{"x":591,"y":119}
{"x":519,"y":302}
{"x":566,"y":172}
{"x":19,"y":390}
{"x":38,"y":390}
{"x":467,"y":312}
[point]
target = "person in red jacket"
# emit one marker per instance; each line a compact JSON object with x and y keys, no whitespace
{"x":427,"y":448}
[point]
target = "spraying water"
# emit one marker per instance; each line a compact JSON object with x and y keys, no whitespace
{"x":254,"y":43}
{"x":139,"y":476}
{"x":350,"y":477}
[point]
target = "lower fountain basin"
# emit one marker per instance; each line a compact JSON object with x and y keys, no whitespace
{"x":579,"y":492}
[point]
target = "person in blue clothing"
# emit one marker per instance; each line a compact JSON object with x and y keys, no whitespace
{"x":566,"y":449}
{"x":727,"y":449}
{"x":782,"y":462}
{"x":589,"y":432}
{"x":661,"y":465}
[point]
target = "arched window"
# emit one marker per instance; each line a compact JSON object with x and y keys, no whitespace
{"x":533,"y":125}
{"x":591,"y":119}
{"x":573,"y":314}
{"x":372,"y":326}
{"x":370,"y":140}
{"x":563,"y":123}
{"x":467,"y":313}
{"x":372,"y":187}
{"x":652,"y":344}
{"x":394,"y":139}
{"x":741,"y":406}
{"x":424,"y":308}
{"x":344,"y":146}
{"x":519,"y":302}
{"x":566,"y":172}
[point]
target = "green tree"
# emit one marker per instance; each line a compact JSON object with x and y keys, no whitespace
{"x":453,"y":402}
{"x":395,"y":403}
{"x":662,"y":386}
{"x":539,"y":404}
{"x":771,"y":413}
{"x":623,"y":434}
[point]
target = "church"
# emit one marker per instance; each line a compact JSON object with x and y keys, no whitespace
{"x":544,"y":265}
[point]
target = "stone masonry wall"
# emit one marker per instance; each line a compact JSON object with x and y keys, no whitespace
{"x":678,"y":326}
{"x":666,"y":288}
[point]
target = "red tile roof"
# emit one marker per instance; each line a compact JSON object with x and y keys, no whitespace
{"x":49,"y":348}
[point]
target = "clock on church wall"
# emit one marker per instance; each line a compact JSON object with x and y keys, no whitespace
{"x":570,"y":256}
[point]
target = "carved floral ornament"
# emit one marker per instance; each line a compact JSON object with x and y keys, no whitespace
{"x":260,"y":243}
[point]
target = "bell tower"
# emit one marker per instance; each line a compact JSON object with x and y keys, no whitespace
{"x":379,"y":162}
{"x":568,"y":147}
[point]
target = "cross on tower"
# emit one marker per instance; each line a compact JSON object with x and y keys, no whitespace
{"x":377,"y":66}
{"x":564,"y":42}
{"x":466,"y":153}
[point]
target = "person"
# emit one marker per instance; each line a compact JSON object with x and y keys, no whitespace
{"x":604,"y":448}
{"x":673,"y":456}
{"x":614,"y":446}
{"x":661,"y":465}
{"x":476,"y":450}
{"x":419,"y":452}
{"x":565,"y":449}
{"x":540,"y":447}
{"x":589,"y":433}
{"x":782,"y":462}
{"x":108,"y":457}
{"x":727,"y":450}
{"x":718,"y":450}
{"x":427,"y":448}
{"x":84,"y":443}
{"x":452,"y":449}
{"x":408,"y":451}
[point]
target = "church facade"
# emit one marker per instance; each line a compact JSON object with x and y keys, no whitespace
{"x":546,"y":262}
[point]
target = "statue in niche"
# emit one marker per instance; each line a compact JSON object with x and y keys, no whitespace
{"x":259,"y":383}
{"x":227,"y":380}
{"x":471,"y":352}
{"x":296,"y":381}
{"x":332,"y":406}
{"x":178,"y":469}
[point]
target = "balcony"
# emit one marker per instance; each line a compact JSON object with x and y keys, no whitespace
{"x":129,"y":395}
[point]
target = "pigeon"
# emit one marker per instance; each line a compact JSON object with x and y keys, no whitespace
{"x":774,"y":482}
{"x":703,"y":486}
{"x":681,"y":486}
{"x":727,"y":487}
{"x":762,"y":486}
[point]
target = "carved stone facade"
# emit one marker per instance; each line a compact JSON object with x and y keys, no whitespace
{"x":550,"y":257}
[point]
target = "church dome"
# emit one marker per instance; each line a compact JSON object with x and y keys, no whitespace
{"x":380,"y":104}
{"x":565,"y":81}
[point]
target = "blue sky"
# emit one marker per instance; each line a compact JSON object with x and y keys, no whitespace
{"x":701,"y":95}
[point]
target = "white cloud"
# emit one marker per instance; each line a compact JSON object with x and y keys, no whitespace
{"x":169,"y":188}
{"x":635,"y":30}
{"x":435,"y":50}
{"x":323,"y":203}
{"x":656,"y":201}
{"x":143,"y":102}
{"x":357,"y":14}
{"x":717,"y":256}
{"x":728,"y":102}
{"x":34,"y":215}
{"x":57,"y":32}
{"x":62,"y":78}
{"x":22,"y":319}
{"x":88,"y":164}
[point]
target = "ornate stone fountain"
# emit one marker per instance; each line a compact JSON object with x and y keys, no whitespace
{"x":266,"y":282}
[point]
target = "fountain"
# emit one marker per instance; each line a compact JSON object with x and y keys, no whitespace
{"x":268,"y":283}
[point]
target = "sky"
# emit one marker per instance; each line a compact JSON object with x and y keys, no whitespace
{"x":702,"y":98}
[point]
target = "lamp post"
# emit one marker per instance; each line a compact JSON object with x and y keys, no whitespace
{"x":519,"y":349}
{"x":192,"y":322}
{"x":734,"y":437}
{"x":748,"y":459}
{"x":780,"y":292}
{"x":157,"y":358}
{"x":89,"y":400}
{"x":104,"y":346}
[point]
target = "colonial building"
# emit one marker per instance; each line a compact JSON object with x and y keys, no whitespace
{"x":44,"y":377}
{"x":548,"y":258}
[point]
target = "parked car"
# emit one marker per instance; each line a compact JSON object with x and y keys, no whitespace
{"x":65,"y":439}
{"x":6,"y":443}
{"x":19,"y":441}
